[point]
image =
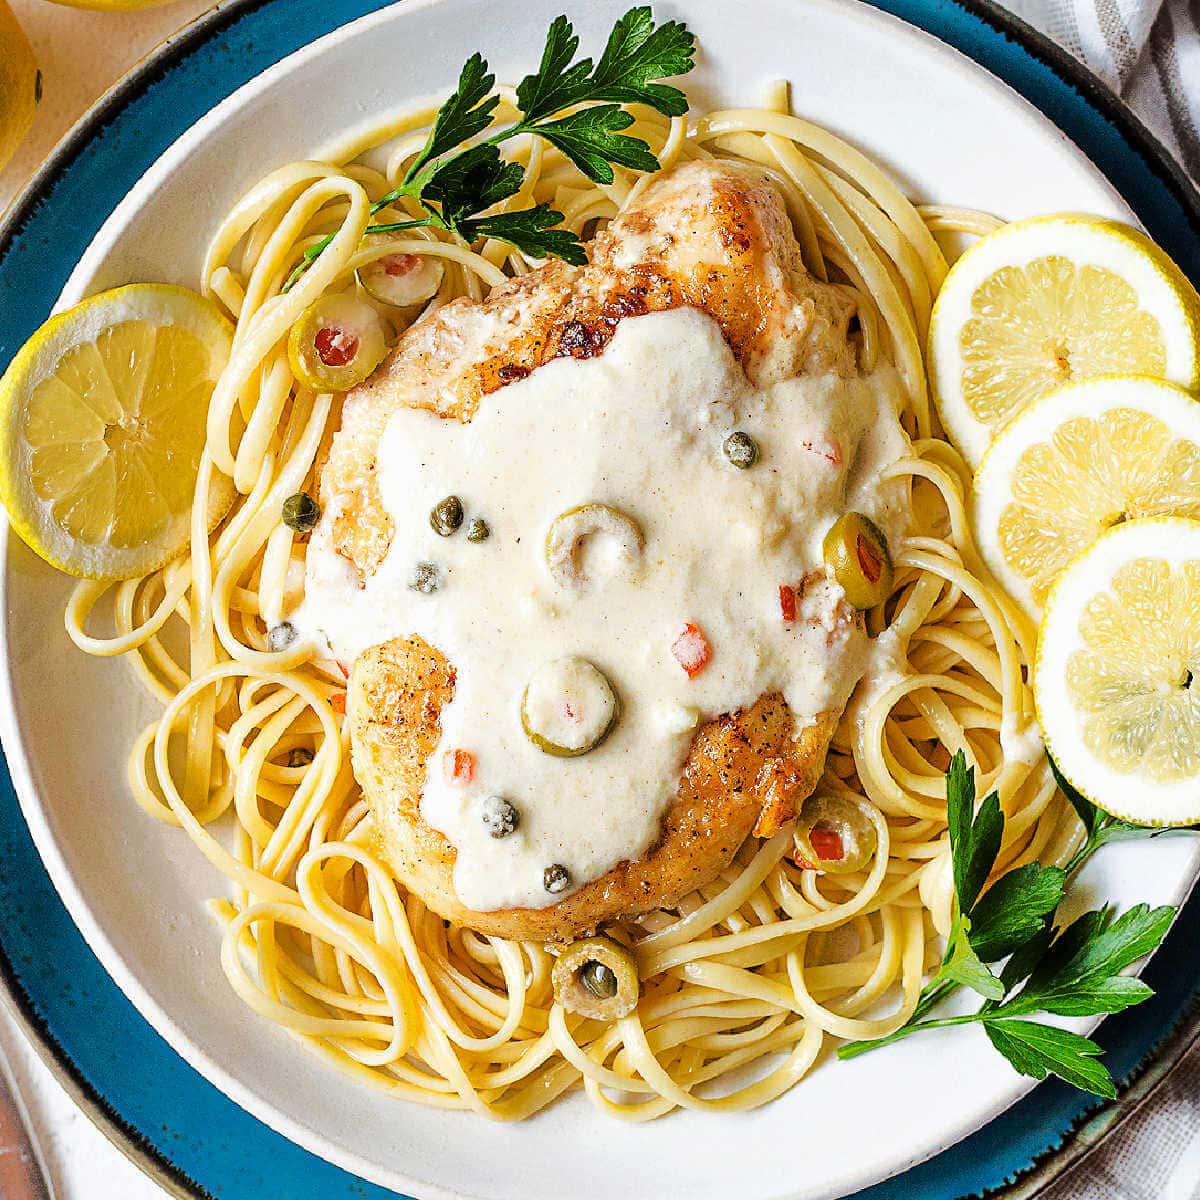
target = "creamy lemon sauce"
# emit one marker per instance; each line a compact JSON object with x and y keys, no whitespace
{"x":640,"y":429}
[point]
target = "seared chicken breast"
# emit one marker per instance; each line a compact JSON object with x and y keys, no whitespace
{"x":706,"y":235}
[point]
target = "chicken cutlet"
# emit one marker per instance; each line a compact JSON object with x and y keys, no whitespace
{"x":571,"y":542}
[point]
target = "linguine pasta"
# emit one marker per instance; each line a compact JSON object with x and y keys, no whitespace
{"x":750,"y":979}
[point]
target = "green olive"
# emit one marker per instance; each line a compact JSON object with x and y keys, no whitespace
{"x":569,"y":707}
{"x":447,"y":516}
{"x":336,"y":343}
{"x":857,"y":553}
{"x":835,"y":834}
{"x":570,"y":529}
{"x":740,"y":449}
{"x":400,"y":280}
{"x":596,"y":978}
{"x":301,"y":512}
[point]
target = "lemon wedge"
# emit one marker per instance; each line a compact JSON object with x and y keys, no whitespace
{"x":1117,"y":675}
{"x":1080,"y":460}
{"x":102,"y":425}
{"x":20,"y":84}
{"x":1052,"y":299}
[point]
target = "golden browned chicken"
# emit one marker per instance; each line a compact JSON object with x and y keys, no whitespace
{"x":707,"y":235}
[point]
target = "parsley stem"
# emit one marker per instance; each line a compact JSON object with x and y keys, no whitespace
{"x":854,"y":1049}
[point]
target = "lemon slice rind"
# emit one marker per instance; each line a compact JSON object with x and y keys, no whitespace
{"x":992,"y":489}
{"x":29,"y":514}
{"x":1161,"y":289}
{"x":1130,"y":796}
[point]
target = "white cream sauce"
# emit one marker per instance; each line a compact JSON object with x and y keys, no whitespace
{"x":640,"y":428}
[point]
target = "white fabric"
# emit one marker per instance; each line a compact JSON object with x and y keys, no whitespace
{"x":1148,"y":50}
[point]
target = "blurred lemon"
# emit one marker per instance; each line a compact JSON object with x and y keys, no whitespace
{"x":20,"y":84}
{"x":102,"y":426}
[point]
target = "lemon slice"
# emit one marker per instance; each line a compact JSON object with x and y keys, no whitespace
{"x":102,"y":424}
{"x":1083,"y":458}
{"x":1048,"y":300}
{"x":1117,"y":675}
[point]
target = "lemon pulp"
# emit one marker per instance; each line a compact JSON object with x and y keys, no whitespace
{"x":1093,"y":473}
{"x":1036,"y":326}
{"x":1135,"y":681}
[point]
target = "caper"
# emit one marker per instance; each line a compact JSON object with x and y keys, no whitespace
{"x":857,"y":553}
{"x":740,"y":449}
{"x":598,"y":978}
{"x":301,"y":756}
{"x":835,"y":834}
{"x":446,"y":516}
{"x":426,"y":578}
{"x":281,"y":636}
{"x":500,"y":817}
{"x":568,"y":707}
{"x":556,"y":878}
{"x":301,"y":512}
{"x":478,"y":530}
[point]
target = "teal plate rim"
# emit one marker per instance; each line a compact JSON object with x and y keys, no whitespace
{"x":178,"y":1128}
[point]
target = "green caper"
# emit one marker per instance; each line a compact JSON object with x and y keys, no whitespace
{"x":596,"y":978}
{"x":301,"y":512}
{"x":740,"y":449}
{"x":478,"y":530}
{"x":500,"y":816}
{"x":446,"y":516}
{"x":281,"y":636}
{"x":426,"y":578}
{"x":556,"y":878}
{"x":835,"y":834}
{"x":857,"y":553}
{"x":301,"y":756}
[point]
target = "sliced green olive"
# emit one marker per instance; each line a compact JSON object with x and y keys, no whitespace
{"x":570,"y":530}
{"x":446,"y":516}
{"x":857,"y":553}
{"x":336,"y":343}
{"x":597,"y":978}
{"x":569,"y":707}
{"x":740,"y":449}
{"x":835,"y":834}
{"x":400,"y":280}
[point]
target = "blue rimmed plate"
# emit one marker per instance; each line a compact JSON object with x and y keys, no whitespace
{"x":112,"y":206}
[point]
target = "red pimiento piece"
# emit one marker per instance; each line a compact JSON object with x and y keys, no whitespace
{"x":827,"y":447}
{"x":691,"y":650}
{"x":827,"y":842}
{"x":397,"y":265}
{"x":338,"y":703}
{"x":787,"y":602}
{"x":345,"y":670}
{"x":868,"y":559}
{"x":336,"y":347}
{"x":459,"y":767}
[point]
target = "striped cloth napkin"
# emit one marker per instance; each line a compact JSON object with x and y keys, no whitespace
{"x":1147,"y":51}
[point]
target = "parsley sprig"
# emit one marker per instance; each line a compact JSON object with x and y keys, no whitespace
{"x":1072,"y":971}
{"x":573,"y":105}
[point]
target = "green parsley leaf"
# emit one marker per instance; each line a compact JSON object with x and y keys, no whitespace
{"x":471,"y":182}
{"x":590,"y":139}
{"x":1039,"y":1050}
{"x":974,"y":837}
{"x":530,"y":230}
{"x":638,"y":53}
{"x":466,"y":113}
{"x":963,"y":965}
{"x":1014,"y":909}
{"x":556,"y":84}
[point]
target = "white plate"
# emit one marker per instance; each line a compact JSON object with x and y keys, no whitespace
{"x":951,"y":133}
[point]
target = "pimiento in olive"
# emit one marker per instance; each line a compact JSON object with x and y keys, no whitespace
{"x":301,"y":512}
{"x":597,"y":978}
{"x":569,"y":707}
{"x":281,"y":636}
{"x":857,"y":554}
{"x":336,"y":343}
{"x":446,"y":516}
{"x":401,"y":280}
{"x":835,"y":834}
{"x":500,"y":816}
{"x":740,"y":449}
{"x":478,"y":530}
